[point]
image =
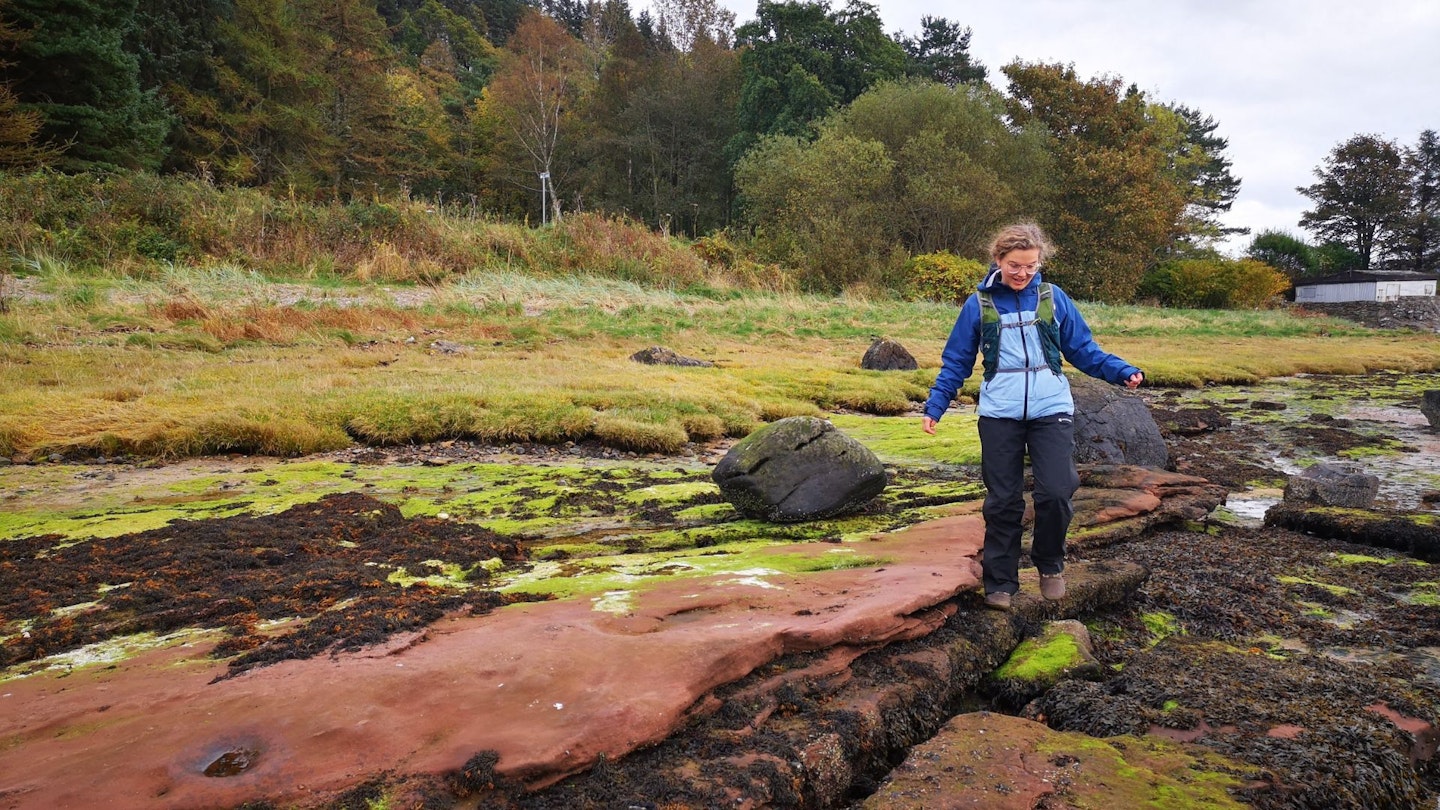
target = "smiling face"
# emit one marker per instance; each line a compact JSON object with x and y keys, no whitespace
{"x":1018,"y":266}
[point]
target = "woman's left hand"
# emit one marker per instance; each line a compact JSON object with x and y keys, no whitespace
{"x":1135,"y":380}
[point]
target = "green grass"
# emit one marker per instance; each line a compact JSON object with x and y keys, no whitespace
{"x":186,"y":361}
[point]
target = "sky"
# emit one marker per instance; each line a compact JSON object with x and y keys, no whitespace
{"x":1287,"y":81}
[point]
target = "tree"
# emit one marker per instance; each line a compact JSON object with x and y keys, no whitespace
{"x":264,"y":123}
{"x":1361,"y":195}
{"x":959,"y":171}
{"x":1417,"y":238}
{"x":72,"y":69}
{"x":1117,"y":203}
{"x":359,"y":113}
{"x":19,"y":129}
{"x":823,"y":207}
{"x":531,"y":102}
{"x":799,"y":60}
{"x":1200,"y":167}
{"x":1285,"y":252}
{"x":941,"y":53}
{"x":658,"y":123}
{"x":683,"y":22}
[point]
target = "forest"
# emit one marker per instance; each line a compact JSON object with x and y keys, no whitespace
{"x":807,"y":138}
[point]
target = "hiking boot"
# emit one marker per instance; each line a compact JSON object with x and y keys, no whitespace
{"x":1052,"y":586}
{"x":998,"y":600}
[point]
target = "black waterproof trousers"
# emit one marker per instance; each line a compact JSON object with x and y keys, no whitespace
{"x":1004,"y":443}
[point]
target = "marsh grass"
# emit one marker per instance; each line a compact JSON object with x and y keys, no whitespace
{"x":202,"y":361}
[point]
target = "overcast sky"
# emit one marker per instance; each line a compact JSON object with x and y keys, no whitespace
{"x":1286,"y":80}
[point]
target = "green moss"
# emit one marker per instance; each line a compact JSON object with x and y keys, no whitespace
{"x":899,"y":438}
{"x":1360,"y":559}
{"x":1044,"y":658}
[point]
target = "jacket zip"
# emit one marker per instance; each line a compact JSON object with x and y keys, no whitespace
{"x":1025,"y":349}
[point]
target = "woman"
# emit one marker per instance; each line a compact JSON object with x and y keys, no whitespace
{"x":1021,"y":326}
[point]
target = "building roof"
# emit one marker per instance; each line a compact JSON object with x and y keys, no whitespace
{"x":1360,"y":277}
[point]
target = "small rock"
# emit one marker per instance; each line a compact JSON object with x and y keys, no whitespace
{"x":885,"y":354}
{"x":1334,"y":484}
{"x":1262,"y":405}
{"x":661,"y":356}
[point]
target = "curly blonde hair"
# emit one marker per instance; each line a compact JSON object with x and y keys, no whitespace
{"x":1021,"y":236}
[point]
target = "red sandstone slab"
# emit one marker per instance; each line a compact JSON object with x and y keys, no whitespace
{"x":550,"y":686}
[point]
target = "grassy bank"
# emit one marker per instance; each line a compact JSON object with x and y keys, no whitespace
{"x":196,"y":362}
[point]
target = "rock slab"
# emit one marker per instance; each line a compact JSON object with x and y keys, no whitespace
{"x":799,"y":468}
{"x":995,"y":761}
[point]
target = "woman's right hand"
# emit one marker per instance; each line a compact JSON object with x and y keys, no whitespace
{"x":928,"y":425}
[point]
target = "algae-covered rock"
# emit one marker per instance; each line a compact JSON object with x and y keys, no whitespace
{"x":1062,"y":650}
{"x":992,"y":760}
{"x":1415,"y":534}
{"x":796,"y":469}
{"x":1274,"y":713}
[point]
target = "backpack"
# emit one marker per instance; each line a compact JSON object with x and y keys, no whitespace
{"x":990,"y":332}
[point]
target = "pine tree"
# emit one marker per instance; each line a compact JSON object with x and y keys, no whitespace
{"x":72,"y":69}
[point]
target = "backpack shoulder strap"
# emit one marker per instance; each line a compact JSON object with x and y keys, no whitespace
{"x":988,"y":312}
{"x":1045,"y":309}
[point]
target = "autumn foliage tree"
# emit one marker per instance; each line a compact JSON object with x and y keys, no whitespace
{"x":19,"y":129}
{"x":1115,"y":204}
{"x":529,"y":107}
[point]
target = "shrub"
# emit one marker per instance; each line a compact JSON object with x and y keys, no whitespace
{"x":1214,"y":283}
{"x":944,"y":277}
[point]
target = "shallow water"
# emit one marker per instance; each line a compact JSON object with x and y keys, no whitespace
{"x":1381,"y":406}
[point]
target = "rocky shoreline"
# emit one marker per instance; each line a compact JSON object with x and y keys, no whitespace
{"x":1232,"y":663}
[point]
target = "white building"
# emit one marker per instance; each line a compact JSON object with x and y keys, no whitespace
{"x":1358,"y":286}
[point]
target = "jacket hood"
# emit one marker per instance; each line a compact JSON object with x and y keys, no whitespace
{"x":995,"y":281}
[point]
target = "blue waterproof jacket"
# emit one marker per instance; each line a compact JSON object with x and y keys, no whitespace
{"x":1037,"y":391}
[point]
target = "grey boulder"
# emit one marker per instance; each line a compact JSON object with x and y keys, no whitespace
{"x":1115,"y":426}
{"x":885,"y":354}
{"x":796,"y":469}
{"x":1334,"y":484}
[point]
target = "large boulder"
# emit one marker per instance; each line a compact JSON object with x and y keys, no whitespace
{"x":885,"y":354}
{"x":1334,"y":484}
{"x":1430,"y":406}
{"x":799,"y":468}
{"x":1114,"y":426}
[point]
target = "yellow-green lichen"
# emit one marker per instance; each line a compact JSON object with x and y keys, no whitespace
{"x":1334,"y":590}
